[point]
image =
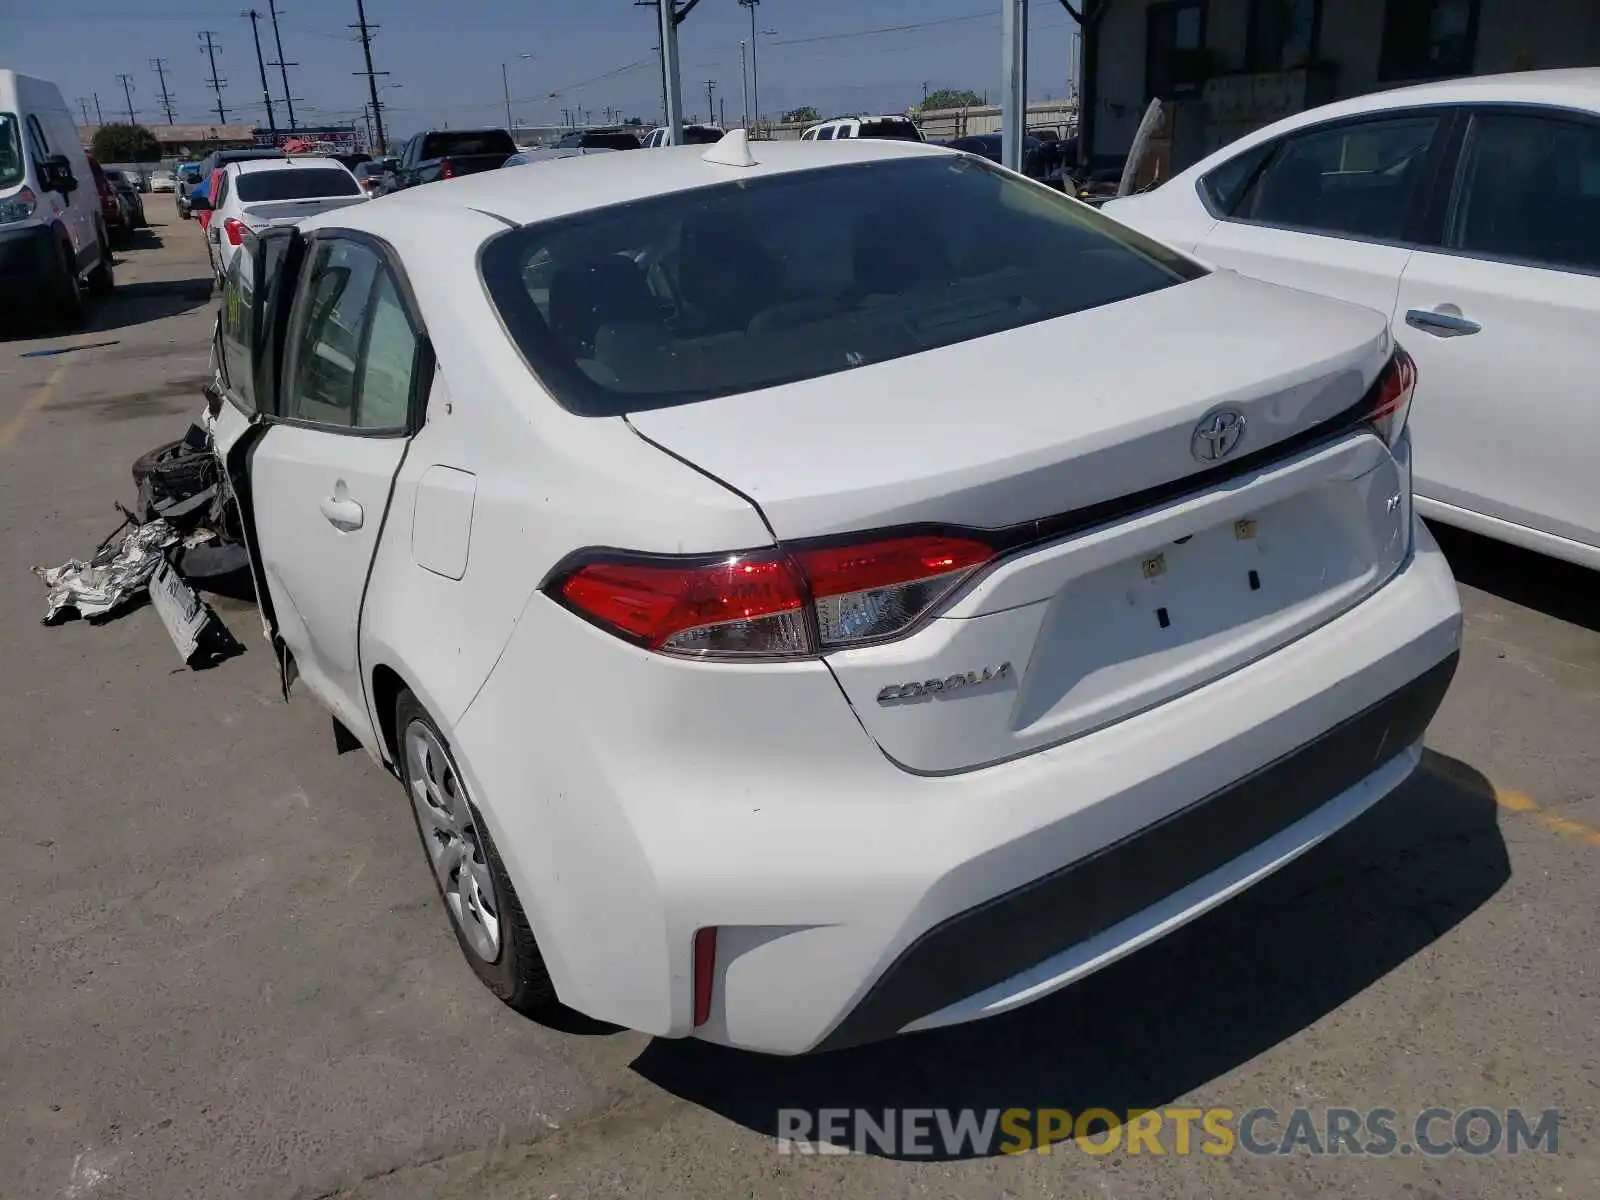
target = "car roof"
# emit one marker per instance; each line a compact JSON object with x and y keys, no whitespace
{"x":578,"y":184}
{"x":300,"y":162}
{"x":1567,"y":87}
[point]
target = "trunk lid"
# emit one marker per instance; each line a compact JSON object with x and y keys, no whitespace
{"x":261,"y":214}
{"x":1126,"y":608}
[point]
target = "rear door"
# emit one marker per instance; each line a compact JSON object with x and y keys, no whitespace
{"x":1503,"y":318}
{"x":321,"y":476}
{"x":1334,"y":207}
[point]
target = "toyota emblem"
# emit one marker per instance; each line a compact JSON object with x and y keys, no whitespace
{"x":1217,"y":435}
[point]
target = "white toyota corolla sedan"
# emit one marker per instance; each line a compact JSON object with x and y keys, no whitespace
{"x":771,"y":652}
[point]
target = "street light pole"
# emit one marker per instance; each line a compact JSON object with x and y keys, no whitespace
{"x":744,"y":83}
{"x":669,"y":68}
{"x":1014,"y":81}
{"x":755,"y":85}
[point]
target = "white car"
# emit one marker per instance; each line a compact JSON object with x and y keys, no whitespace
{"x":893,"y":127}
{"x":163,"y":181}
{"x":258,"y":194}
{"x":693,"y":135}
{"x":772,"y":653}
{"x":1468,"y":213}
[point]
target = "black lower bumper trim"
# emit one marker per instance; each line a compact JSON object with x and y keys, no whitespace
{"x":986,"y":945}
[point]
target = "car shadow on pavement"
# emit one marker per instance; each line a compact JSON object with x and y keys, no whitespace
{"x":1558,"y":589}
{"x":131,"y":304}
{"x":1172,"y":1018}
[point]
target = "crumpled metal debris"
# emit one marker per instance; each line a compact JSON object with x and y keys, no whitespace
{"x":117,"y":573}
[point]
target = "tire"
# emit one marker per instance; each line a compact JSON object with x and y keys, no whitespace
{"x":103,"y":279}
{"x":515,"y":972}
{"x":174,"y":469}
{"x":69,"y":309}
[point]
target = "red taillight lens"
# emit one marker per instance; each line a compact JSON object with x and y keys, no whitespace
{"x":745,"y":604}
{"x":235,"y":229}
{"x":446,"y":170}
{"x":769,"y":604}
{"x":874,"y":590}
{"x":705,"y":972}
{"x":1391,"y":396}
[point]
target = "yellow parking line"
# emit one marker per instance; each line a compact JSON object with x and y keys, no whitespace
{"x":1517,"y":802}
{"x":12,"y":429}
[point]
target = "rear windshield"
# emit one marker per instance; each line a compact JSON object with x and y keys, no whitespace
{"x":605,"y":141}
{"x":743,"y":286}
{"x":12,"y":168}
{"x":903,"y":130}
{"x":305,"y":184}
{"x":466,"y":142}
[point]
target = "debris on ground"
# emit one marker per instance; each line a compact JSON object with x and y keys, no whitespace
{"x":117,"y":573}
{"x":183,"y":526}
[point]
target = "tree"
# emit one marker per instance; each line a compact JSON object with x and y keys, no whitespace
{"x":797,"y":116}
{"x":950,"y":98}
{"x":125,"y":144}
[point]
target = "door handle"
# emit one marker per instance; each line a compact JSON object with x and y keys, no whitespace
{"x":342,"y":512}
{"x":1440,"y":324}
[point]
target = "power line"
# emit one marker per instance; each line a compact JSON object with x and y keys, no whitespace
{"x":127,"y":94}
{"x":283,"y":67}
{"x":216,"y":83}
{"x":159,"y":65}
{"x":855,"y":33}
{"x":366,"y":32}
{"x":261,"y":66}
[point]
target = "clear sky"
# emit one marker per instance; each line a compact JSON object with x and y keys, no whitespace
{"x":445,"y":57}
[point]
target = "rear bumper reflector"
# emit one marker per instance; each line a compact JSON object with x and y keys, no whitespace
{"x":988,"y":944}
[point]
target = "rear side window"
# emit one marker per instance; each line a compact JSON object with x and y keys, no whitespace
{"x":903,"y":131}
{"x":1529,"y":189}
{"x":238,"y":330}
{"x":825,"y":135}
{"x":1355,"y":179}
{"x":465,"y":142}
{"x":1223,"y":187}
{"x":743,"y":286}
{"x":298,"y":184}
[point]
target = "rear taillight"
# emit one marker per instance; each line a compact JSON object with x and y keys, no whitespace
{"x":446,"y":170}
{"x":235,"y":229}
{"x":768,"y":603}
{"x":705,"y":972}
{"x":1389,"y":401}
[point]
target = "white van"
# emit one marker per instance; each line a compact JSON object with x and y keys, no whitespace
{"x":899,"y":128}
{"x":53,"y":244}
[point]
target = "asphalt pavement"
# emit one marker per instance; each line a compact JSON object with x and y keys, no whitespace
{"x":227,"y":973}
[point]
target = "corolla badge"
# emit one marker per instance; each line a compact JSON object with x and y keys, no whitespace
{"x":943,"y":687}
{"x":1217,"y":435}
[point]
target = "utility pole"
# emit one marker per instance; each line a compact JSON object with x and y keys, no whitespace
{"x":127,"y":94}
{"x":1014,"y":80}
{"x":744,"y":85}
{"x":366,"y":32}
{"x":98,"y":115}
{"x":711,"y":105}
{"x":669,"y":69}
{"x":366,"y":116}
{"x":261,"y":66}
{"x":159,"y":65}
{"x":505,"y":85}
{"x":83,"y":103}
{"x":215,"y":83}
{"x":283,"y":67}
{"x":755,"y":85}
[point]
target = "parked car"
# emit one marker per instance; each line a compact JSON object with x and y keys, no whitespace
{"x":188,"y":178}
{"x":128,"y":191}
{"x":376,"y":176}
{"x":447,"y":153}
{"x":115,"y":213}
{"x":139,"y":180}
{"x":1468,"y":213}
{"x":788,"y":698}
{"x":251,"y":196}
{"x":163,"y":181}
{"x":693,"y":135}
{"x":523,"y":157}
{"x":54,"y":243}
{"x":351,"y":161}
{"x":1039,"y":160}
{"x":893,"y":127}
{"x":599,"y":139}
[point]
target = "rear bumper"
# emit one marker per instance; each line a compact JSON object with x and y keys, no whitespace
{"x":853,"y":899}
